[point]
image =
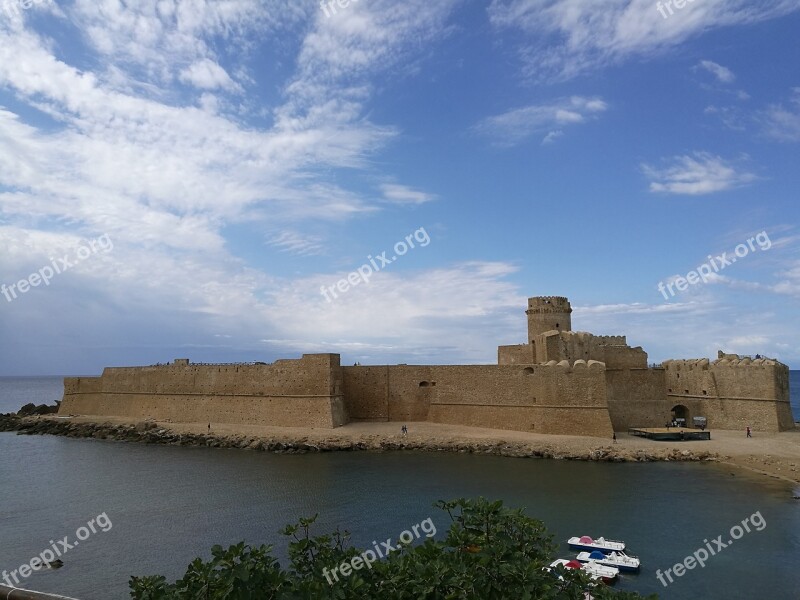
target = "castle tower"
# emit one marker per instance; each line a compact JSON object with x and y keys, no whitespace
{"x":546,"y":313}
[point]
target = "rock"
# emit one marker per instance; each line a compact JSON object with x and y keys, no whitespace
{"x":43,"y":409}
{"x":27,"y":410}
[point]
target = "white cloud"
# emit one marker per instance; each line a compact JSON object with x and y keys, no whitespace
{"x":789,"y":283}
{"x":465,"y":304}
{"x":515,"y":126}
{"x":723,"y":74}
{"x":697,"y":174}
{"x":568,"y":37}
{"x":297,"y":243}
{"x":745,"y":343}
{"x":731,"y":116}
{"x":783,"y":123}
{"x":669,"y":330}
{"x":125,"y":152}
{"x":637,"y":308}
{"x":552,"y":136}
{"x":401,"y":194}
{"x":157,"y":40}
{"x":207,"y":75}
{"x":122,"y":159}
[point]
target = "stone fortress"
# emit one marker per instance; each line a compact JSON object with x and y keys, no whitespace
{"x":558,"y":382}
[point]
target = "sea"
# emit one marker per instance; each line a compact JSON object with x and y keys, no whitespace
{"x":156,"y":508}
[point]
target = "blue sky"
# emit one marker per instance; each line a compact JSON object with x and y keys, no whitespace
{"x":230,"y":159}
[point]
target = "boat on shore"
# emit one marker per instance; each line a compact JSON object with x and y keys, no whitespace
{"x":620,"y":560}
{"x":585,"y":542}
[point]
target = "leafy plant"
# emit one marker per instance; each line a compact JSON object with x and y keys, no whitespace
{"x":489,"y":552}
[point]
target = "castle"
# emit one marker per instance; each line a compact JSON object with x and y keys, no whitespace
{"x":558,"y":382}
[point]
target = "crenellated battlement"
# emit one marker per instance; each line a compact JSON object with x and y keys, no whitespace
{"x":686,"y":364}
{"x":577,"y":365}
{"x":534,"y":300}
{"x":548,"y":304}
{"x":736,"y":360}
{"x":704,"y":364}
{"x":612,"y":340}
{"x":747,"y":362}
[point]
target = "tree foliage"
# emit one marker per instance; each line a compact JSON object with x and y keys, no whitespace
{"x":489,"y":552}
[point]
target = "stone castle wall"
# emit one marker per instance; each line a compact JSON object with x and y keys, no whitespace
{"x":517,"y":354}
{"x":542,"y":398}
{"x":556,"y":399}
{"x":287,"y":393}
{"x":637,"y":397}
{"x":732,"y":393}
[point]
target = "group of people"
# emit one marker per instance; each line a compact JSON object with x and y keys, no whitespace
{"x":404,"y":430}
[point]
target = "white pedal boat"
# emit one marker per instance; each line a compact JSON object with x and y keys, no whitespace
{"x":620,"y":560}
{"x":587,"y":543}
{"x":594,"y":570}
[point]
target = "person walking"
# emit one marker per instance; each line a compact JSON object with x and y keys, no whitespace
{"x":209,"y":428}
{"x":614,"y":437}
{"x":749,"y":433}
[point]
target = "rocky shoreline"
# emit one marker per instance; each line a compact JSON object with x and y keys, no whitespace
{"x":288,"y":443}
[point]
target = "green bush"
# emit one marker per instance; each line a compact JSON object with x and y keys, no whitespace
{"x":489,"y":552}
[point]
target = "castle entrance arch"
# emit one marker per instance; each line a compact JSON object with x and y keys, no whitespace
{"x":679,"y":411}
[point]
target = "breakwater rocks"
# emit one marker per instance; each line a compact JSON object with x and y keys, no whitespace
{"x":288,"y":443}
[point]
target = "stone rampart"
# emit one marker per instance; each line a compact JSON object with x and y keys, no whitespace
{"x":732,"y":393}
{"x":288,"y":393}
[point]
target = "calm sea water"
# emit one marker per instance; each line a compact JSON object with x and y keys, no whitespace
{"x":16,"y":392}
{"x":169,"y":504}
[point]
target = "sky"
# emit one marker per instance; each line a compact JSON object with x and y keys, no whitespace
{"x":242,"y":180}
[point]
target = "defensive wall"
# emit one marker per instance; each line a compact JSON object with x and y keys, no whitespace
{"x":558,"y":398}
{"x":288,"y":393}
{"x":732,"y":392}
{"x":637,"y":397}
